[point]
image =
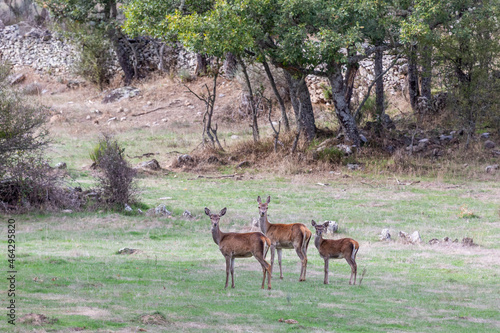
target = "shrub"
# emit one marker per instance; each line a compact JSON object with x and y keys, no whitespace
{"x":115,"y":176}
{"x":26,"y":179}
{"x":95,"y":54}
{"x":331,"y":155}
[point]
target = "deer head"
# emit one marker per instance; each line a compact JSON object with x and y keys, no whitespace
{"x":263,"y":206}
{"x":215,"y":218}
{"x":320,"y":228}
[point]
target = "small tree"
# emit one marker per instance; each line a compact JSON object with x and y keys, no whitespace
{"x":115,"y":176}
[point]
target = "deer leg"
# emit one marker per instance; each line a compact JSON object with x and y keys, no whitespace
{"x":228,"y":267}
{"x":273,"y":247}
{"x":354,"y":270}
{"x":265,"y":268}
{"x":326,"y":271}
{"x":303,"y":261}
{"x":232,"y":272}
{"x":279,"y":261}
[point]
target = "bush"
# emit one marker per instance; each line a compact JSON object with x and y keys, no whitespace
{"x":95,"y":54}
{"x":115,"y":176}
{"x":26,"y":179}
{"x":331,"y":155}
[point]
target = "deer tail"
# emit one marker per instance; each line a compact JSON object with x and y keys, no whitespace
{"x":267,"y":245}
{"x":355,"y":248}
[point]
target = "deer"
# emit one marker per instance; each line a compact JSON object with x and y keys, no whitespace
{"x":285,"y":236}
{"x":346,"y":248}
{"x":240,"y":245}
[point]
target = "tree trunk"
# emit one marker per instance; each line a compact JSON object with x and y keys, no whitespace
{"x":255,"y":124}
{"x":352,"y":71}
{"x":379,"y":89}
{"x":230,"y":65}
{"x":284,"y":117}
{"x":304,"y":112}
{"x":342,"y":109}
{"x":201,"y":64}
{"x":413,"y":89}
{"x":122,"y":53}
{"x":293,"y":96}
{"x":427,"y":73}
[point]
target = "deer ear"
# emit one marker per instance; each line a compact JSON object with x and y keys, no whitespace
{"x":258,"y":199}
{"x":207,"y":211}
{"x":313,"y":223}
{"x":223,"y":211}
{"x":268,"y":199}
{"x":326,"y":224}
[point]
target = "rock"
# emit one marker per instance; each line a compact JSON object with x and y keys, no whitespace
{"x":67,"y":211}
{"x":2,"y":25}
{"x":213,"y":159}
{"x":161,"y":210}
{"x":332,"y":226}
{"x":185,"y":159}
{"x":485,"y":135}
{"x":88,"y":118}
{"x":385,"y":235}
{"x":187,"y":214}
{"x":488,"y":144}
{"x":153,"y":165}
{"x":243,"y":164}
{"x":234,"y":137}
{"x":445,"y":137}
{"x":121,"y":93}
{"x":127,"y":250}
{"x":415,"y":238}
{"x":61,"y":165}
{"x":468,"y":242}
{"x":128,"y":208}
{"x":16,"y":78}
{"x":353,"y":166}
{"x":491,"y":168}
{"x":140,"y":211}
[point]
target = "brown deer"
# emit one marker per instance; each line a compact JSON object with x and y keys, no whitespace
{"x":285,"y":236}
{"x":240,"y":245}
{"x":336,"y":249}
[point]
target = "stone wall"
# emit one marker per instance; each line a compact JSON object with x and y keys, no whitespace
{"x":47,"y":52}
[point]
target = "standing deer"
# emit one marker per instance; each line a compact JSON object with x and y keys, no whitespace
{"x":336,"y":249}
{"x":240,"y":245}
{"x":285,"y":236}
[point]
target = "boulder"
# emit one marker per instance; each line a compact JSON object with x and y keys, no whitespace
{"x":385,"y":235}
{"x":488,"y":144}
{"x":153,"y":165}
{"x":121,"y":93}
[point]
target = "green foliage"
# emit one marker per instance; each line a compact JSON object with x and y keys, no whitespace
{"x":95,"y":54}
{"x":331,"y":154}
{"x":115,"y":177}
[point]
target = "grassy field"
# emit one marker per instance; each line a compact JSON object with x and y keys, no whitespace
{"x":69,"y":270}
{"x":70,"y":276}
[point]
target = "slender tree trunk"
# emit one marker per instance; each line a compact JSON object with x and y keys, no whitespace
{"x":293,"y":96}
{"x":379,"y":89}
{"x":201,"y":64}
{"x":352,"y":71}
{"x":304,"y":112}
{"x":255,"y":125}
{"x":413,"y":89}
{"x":230,"y":65}
{"x":284,"y":117}
{"x":427,"y":73}
{"x":122,"y":53}
{"x":342,"y":109}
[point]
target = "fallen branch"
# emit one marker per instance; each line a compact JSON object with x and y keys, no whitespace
{"x":143,"y":113}
{"x":213,"y":177}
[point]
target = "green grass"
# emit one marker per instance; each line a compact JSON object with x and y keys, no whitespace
{"x":68,"y":269}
